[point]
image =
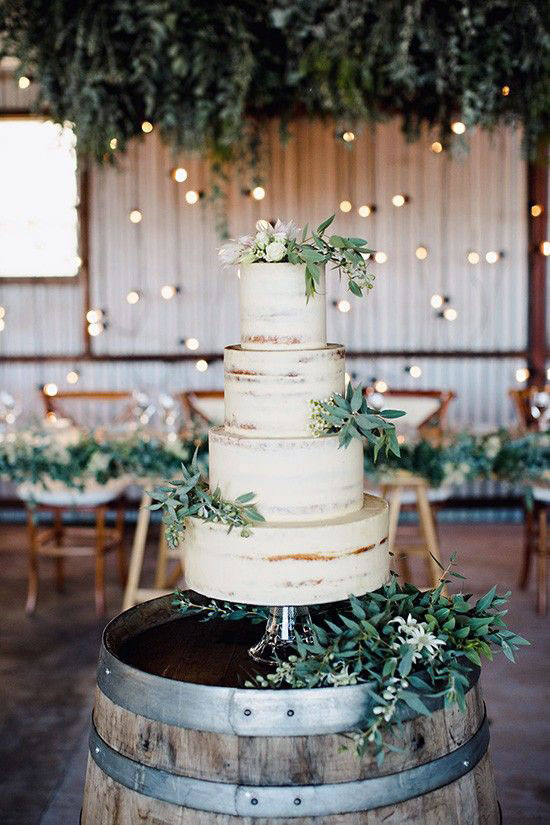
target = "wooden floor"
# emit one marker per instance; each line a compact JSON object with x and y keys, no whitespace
{"x":47,"y":673}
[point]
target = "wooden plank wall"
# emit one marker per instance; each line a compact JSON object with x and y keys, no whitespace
{"x":473,"y":201}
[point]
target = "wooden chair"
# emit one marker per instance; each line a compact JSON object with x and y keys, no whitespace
{"x":531,"y":404}
{"x":203,"y":408}
{"x":426,"y":413}
{"x":60,"y":542}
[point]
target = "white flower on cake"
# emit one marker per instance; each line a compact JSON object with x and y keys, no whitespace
{"x":284,"y":242}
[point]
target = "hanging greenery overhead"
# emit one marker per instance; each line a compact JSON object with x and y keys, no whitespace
{"x":201,"y":72}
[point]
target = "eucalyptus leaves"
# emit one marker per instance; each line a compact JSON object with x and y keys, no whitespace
{"x":351,"y":417}
{"x":191,"y":496}
{"x":279,"y":243}
{"x":408,"y":646}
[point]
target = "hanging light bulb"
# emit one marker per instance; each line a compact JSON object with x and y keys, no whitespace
{"x":458,"y":127}
{"x":135,"y":216}
{"x":179,"y":174}
{"x":345,"y":206}
{"x":437,"y":300}
{"x":23,"y":82}
{"x":450,"y":314}
{"x":348,"y":137}
{"x":258,"y":193}
{"x":380,"y":257}
{"x":113,"y":144}
{"x":505,"y":91}
{"x":473,"y":257}
{"x":146,"y":127}
{"x":522,"y":375}
{"x":343,"y":305}
{"x":201,"y":365}
{"x":421,"y":253}
{"x":134,"y":296}
{"x":492,"y":257}
{"x":73,"y":376}
{"x":95,"y":329}
{"x":414,"y":371}
{"x":93,"y":316}
{"x":50,"y":389}
{"x":169,"y":291}
{"x":366,"y":209}
{"x":436,"y":147}
{"x":192,"y":196}
{"x":400,"y":200}
{"x":192,"y":343}
{"x":380,"y":386}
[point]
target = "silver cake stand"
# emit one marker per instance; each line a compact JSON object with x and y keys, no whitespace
{"x":283,"y":625}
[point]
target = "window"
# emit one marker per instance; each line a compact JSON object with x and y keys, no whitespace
{"x":38,"y":199}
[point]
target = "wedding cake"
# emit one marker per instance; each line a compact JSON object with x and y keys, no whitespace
{"x":322,"y":538}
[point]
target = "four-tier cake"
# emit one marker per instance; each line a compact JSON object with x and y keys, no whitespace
{"x":322,"y":538}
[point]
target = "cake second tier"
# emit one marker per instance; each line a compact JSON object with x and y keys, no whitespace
{"x":298,"y":563}
{"x":268,"y":394}
{"x":294,"y":479}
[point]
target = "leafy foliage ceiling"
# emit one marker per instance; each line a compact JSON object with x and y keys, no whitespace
{"x":202,"y":72}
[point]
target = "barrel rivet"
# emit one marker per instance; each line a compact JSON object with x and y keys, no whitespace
{"x":297,"y":801}
{"x":290,"y":712}
{"x":247,"y":712}
{"x":253,"y":801}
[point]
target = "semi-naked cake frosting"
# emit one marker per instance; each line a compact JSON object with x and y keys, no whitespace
{"x":322,"y":539}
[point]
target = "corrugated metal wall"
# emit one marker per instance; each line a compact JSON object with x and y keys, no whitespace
{"x":475,"y":202}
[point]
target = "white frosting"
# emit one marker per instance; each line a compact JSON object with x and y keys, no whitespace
{"x":294,"y":479}
{"x":274,"y":310}
{"x":293,"y":564}
{"x":267,"y":393}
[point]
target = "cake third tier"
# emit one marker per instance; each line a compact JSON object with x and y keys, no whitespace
{"x":294,"y":479}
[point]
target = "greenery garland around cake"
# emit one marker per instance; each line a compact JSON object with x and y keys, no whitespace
{"x":411,"y":648}
{"x":284,"y":242}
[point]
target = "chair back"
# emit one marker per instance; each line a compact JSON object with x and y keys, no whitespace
{"x":202,"y":408}
{"x":532,"y":407}
{"x":109,"y":406}
{"x":426,"y":410}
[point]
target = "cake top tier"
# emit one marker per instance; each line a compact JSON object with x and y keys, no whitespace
{"x":282,"y":272}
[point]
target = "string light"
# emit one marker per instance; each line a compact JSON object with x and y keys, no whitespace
{"x":258,"y":193}
{"x":135,"y":216}
{"x":400,"y":200}
{"x":147,"y":127}
{"x":348,"y":137}
{"x":458,"y":127}
{"x":473,"y":257}
{"x":94,"y":316}
{"x":23,"y":82}
{"x":380,"y":386}
{"x":113,"y":143}
{"x":343,"y":305}
{"x":191,"y":196}
{"x":168,"y":291}
{"x":192,"y":343}
{"x":505,"y":91}
{"x":437,"y":300}
{"x":414,"y":371}
{"x":421,"y":253}
{"x":522,"y":375}
{"x":366,"y":209}
{"x":73,"y":376}
{"x":50,"y":389}
{"x":492,"y":257}
{"x":179,"y":174}
{"x":380,"y":257}
{"x":133,"y":296}
{"x":536,"y":210}
{"x":201,"y":365}
{"x":95,"y":329}
{"x":450,"y":314}
{"x":345,"y":206}
{"x":436,"y":147}
{"x":545,"y":248}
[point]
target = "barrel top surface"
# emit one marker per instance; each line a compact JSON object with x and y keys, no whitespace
{"x":186,"y":649}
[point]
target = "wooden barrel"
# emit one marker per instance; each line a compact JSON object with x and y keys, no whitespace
{"x":178,"y":740}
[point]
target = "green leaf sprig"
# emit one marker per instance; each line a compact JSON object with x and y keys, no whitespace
{"x":191,"y":496}
{"x":351,"y":416}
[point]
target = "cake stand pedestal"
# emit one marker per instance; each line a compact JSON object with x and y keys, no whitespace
{"x":280,"y":634}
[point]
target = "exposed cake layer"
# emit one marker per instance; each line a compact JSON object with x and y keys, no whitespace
{"x":291,"y":564}
{"x":268,"y":393}
{"x":274,"y":310}
{"x":294,"y":479}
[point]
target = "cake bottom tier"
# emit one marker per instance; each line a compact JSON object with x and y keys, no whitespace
{"x":295,"y":563}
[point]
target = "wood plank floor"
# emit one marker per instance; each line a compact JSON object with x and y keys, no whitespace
{"x":47,"y":673}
